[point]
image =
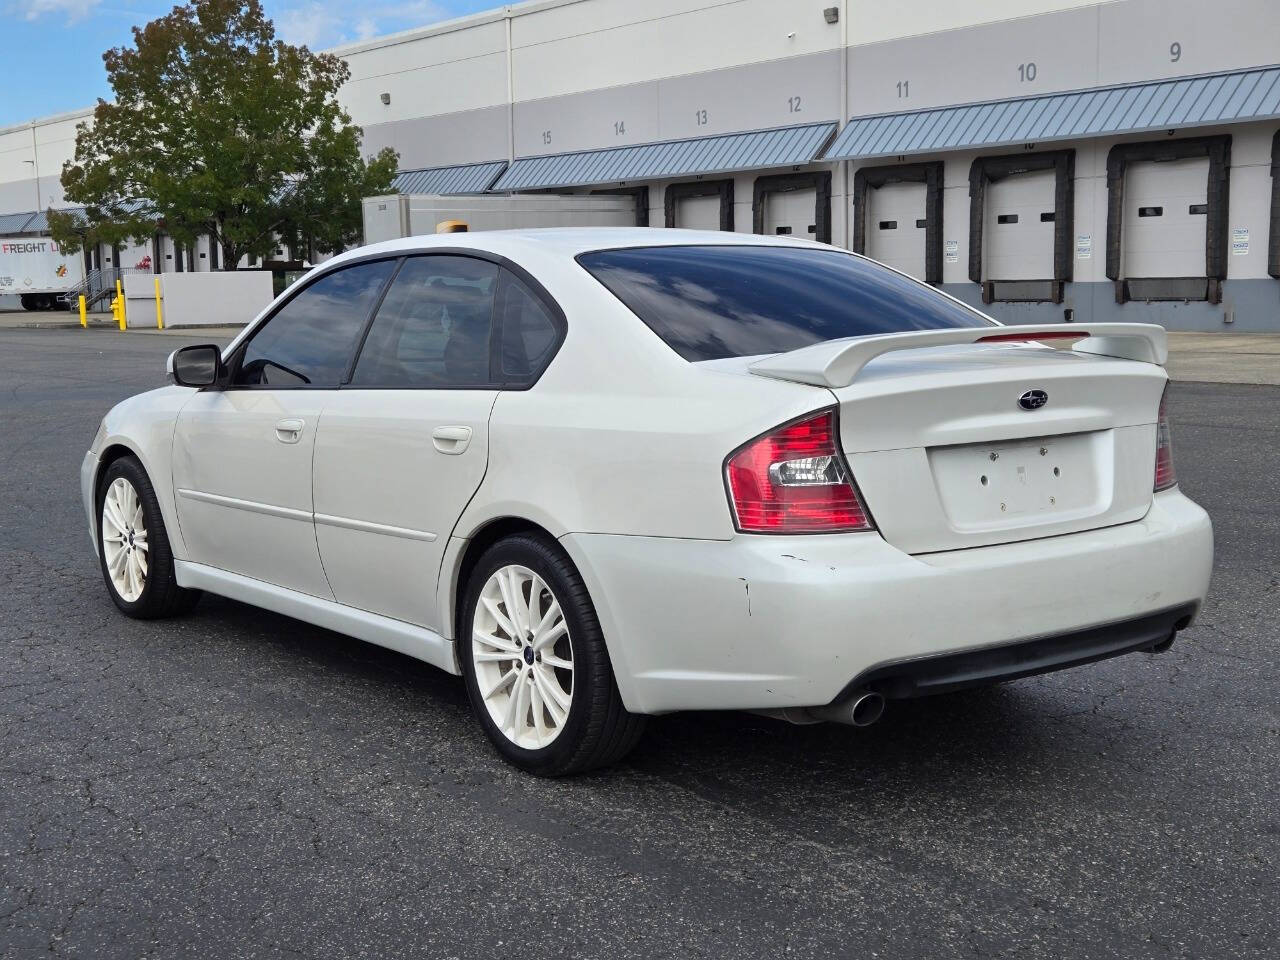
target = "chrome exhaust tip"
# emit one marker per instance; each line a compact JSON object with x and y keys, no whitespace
{"x":860,"y":710}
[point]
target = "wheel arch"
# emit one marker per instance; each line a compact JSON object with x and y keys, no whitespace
{"x":113,"y":451}
{"x":464,"y":554}
{"x":117,"y":448}
{"x":467,"y":553}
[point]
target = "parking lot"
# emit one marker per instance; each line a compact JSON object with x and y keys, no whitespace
{"x":236,"y":783}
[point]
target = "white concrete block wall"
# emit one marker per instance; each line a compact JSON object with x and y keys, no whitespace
{"x":31,"y":159}
{"x":567,"y":48}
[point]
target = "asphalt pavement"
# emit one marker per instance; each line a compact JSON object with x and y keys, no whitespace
{"x":238,"y":784}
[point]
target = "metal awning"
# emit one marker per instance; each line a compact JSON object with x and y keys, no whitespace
{"x":1208,"y":100}
{"x":462,"y":178}
{"x":11,"y":223}
{"x":779,"y":147}
{"x":39,"y":222}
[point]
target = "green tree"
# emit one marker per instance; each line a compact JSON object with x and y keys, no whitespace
{"x":220,"y":129}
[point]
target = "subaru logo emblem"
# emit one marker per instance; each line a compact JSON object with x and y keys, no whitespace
{"x":1033,"y":400}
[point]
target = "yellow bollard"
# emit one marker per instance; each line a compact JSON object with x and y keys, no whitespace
{"x":84,"y":317}
{"x":124,"y":323}
{"x":159,"y":310}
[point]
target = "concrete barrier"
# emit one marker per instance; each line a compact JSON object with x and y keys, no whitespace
{"x":225,"y":299}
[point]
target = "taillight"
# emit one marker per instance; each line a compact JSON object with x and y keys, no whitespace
{"x":1165,"y":476}
{"x":794,"y":480}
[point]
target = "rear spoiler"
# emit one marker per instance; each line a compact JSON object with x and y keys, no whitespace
{"x":836,"y":363}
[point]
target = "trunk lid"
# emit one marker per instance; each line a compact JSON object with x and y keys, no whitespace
{"x":947,"y":454}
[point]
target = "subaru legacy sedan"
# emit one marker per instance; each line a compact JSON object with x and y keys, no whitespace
{"x":608,"y":473}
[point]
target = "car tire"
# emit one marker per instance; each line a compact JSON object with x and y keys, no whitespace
{"x":580,"y":723}
{"x":133,"y":546}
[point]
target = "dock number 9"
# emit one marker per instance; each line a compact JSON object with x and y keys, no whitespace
{"x":1175,"y":52}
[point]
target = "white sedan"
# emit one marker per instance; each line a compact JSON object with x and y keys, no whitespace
{"x":609,"y":473}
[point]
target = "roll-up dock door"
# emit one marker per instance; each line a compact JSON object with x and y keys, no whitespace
{"x":698,"y":213}
{"x":897,"y":217}
{"x":701,"y":205}
{"x":1020,"y":221}
{"x":793,"y":205}
{"x":791,"y":214}
{"x":1018,"y":231}
{"x":1165,"y":216}
{"x":1167,"y":205}
{"x":896,"y":226}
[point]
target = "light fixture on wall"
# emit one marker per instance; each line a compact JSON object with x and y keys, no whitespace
{"x":831,"y":14}
{"x":385,"y":98}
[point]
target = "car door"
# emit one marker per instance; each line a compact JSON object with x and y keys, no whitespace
{"x":403,"y":447}
{"x":243,"y":452}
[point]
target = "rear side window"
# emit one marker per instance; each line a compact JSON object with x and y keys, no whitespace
{"x":713,"y":302}
{"x":529,"y":334}
{"x":311,"y":339}
{"x":433,"y":327}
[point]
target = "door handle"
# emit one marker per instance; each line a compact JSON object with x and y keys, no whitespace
{"x":451,"y":440}
{"x":290,"y":431}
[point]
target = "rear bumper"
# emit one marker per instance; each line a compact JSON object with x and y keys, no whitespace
{"x":762,"y":622}
{"x":947,"y":672}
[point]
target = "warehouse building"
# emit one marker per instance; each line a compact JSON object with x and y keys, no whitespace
{"x":1044,"y":159}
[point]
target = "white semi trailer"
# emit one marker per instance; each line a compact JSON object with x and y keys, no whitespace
{"x":39,"y":272}
{"x":406,"y":215}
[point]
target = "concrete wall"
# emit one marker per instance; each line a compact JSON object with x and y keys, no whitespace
{"x":198,"y":299}
{"x":31,"y":159}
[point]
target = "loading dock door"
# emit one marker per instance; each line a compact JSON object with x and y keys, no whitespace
{"x":792,"y":213}
{"x":1018,"y":229}
{"x":698,"y":213}
{"x":895,"y":226}
{"x":1165,"y":207}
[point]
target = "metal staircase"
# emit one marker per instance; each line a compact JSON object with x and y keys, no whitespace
{"x":97,"y":286}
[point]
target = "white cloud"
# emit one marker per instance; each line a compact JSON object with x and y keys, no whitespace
{"x":69,"y":10}
{"x":327,"y":23}
{"x":314,"y":24}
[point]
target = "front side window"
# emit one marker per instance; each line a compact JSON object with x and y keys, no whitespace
{"x":433,"y":327}
{"x":311,"y":339}
{"x":713,"y":302}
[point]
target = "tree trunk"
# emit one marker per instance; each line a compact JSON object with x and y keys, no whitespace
{"x":230,"y":256}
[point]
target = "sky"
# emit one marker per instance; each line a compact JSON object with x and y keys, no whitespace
{"x":52,"y":49}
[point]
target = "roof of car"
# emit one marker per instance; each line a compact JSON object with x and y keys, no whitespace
{"x":571,"y":241}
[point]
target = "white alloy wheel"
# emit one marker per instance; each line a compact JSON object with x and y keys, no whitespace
{"x":124,"y":539}
{"x":522,"y":657}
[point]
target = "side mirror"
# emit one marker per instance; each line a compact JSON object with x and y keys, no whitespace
{"x":198,"y":366}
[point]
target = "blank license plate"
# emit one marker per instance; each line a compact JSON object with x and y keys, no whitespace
{"x":998,"y":484}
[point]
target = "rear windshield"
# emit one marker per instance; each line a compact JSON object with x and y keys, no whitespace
{"x":713,"y":302}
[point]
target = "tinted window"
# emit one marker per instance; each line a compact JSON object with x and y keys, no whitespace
{"x":432,"y":329}
{"x":528,"y":332}
{"x":725,"y":301}
{"x":312,"y":338}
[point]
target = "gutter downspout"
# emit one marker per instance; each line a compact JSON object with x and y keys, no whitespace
{"x":511,"y":97}
{"x":846,"y":166}
{"x":35,"y":163}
